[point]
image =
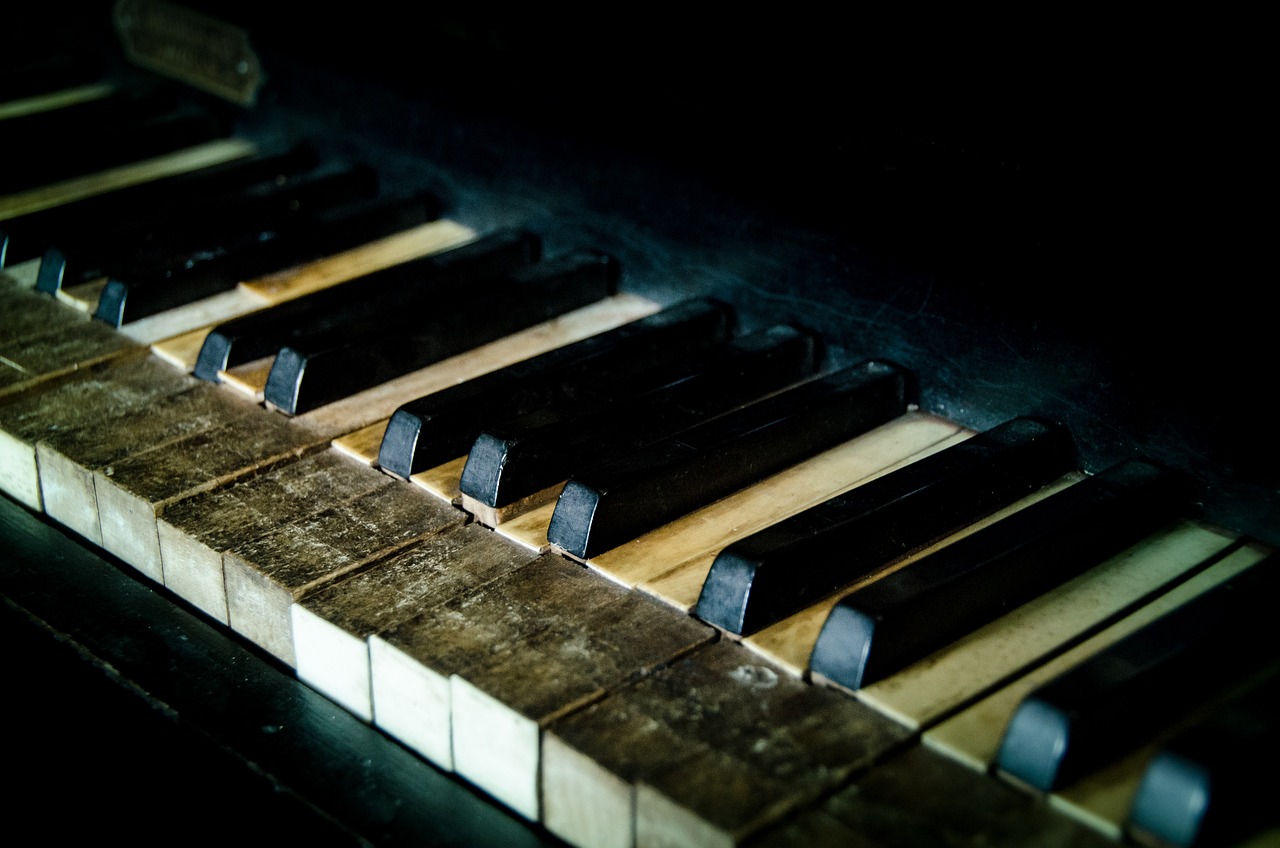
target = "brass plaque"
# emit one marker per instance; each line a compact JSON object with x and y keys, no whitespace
{"x":190,"y":47}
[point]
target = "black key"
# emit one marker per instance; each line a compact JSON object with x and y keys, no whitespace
{"x":133,"y":209}
{"x":1119,"y":699}
{"x":311,"y":237}
{"x":440,"y":427}
{"x":405,"y":288}
{"x":907,"y":615}
{"x":339,"y":363}
{"x":781,"y":569}
{"x":94,"y":150}
{"x":201,"y":232}
{"x":1213,"y":784}
{"x":513,"y":460}
{"x":618,"y":501}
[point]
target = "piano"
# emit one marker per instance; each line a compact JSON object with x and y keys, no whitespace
{"x":1048,"y":226}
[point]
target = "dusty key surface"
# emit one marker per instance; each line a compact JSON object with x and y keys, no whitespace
{"x":706,"y":751}
{"x":331,"y":627}
{"x":239,"y":439}
{"x":265,"y":577}
{"x":194,"y":533}
{"x":89,"y":397}
{"x":919,"y":798}
{"x":497,"y":665}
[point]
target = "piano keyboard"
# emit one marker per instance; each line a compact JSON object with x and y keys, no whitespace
{"x":611,"y":673}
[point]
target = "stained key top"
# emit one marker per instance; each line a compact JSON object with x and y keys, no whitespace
{"x":344,"y":361}
{"x":392,"y":291}
{"x":781,"y":569}
{"x":1120,"y":698}
{"x":441,"y":427}
{"x":908,"y":614}
{"x":513,"y":461}
{"x":622,"y":499}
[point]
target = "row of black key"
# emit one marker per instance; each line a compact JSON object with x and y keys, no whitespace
{"x":76,"y":140}
{"x":637,"y":454}
{"x":441,"y":427}
{"x":184,"y":238}
{"x":188,"y":241}
{"x":331,"y":365}
{"x":261,"y":247}
{"x":1215,"y":658}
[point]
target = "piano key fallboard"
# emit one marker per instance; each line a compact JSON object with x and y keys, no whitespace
{"x":492,"y":524}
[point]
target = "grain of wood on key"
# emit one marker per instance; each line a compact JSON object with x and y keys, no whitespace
{"x":29,"y":314}
{"x":90,"y":397}
{"x":502,"y":662}
{"x":42,"y":340}
{"x":706,"y":751}
{"x":915,"y":796}
{"x":266,"y":576}
{"x":331,"y":627}
{"x":228,"y":439}
{"x":21,"y":274}
{"x":69,"y":462}
{"x":194,"y":533}
{"x":143,"y":485}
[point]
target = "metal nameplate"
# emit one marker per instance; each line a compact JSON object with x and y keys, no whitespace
{"x":190,"y":47}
